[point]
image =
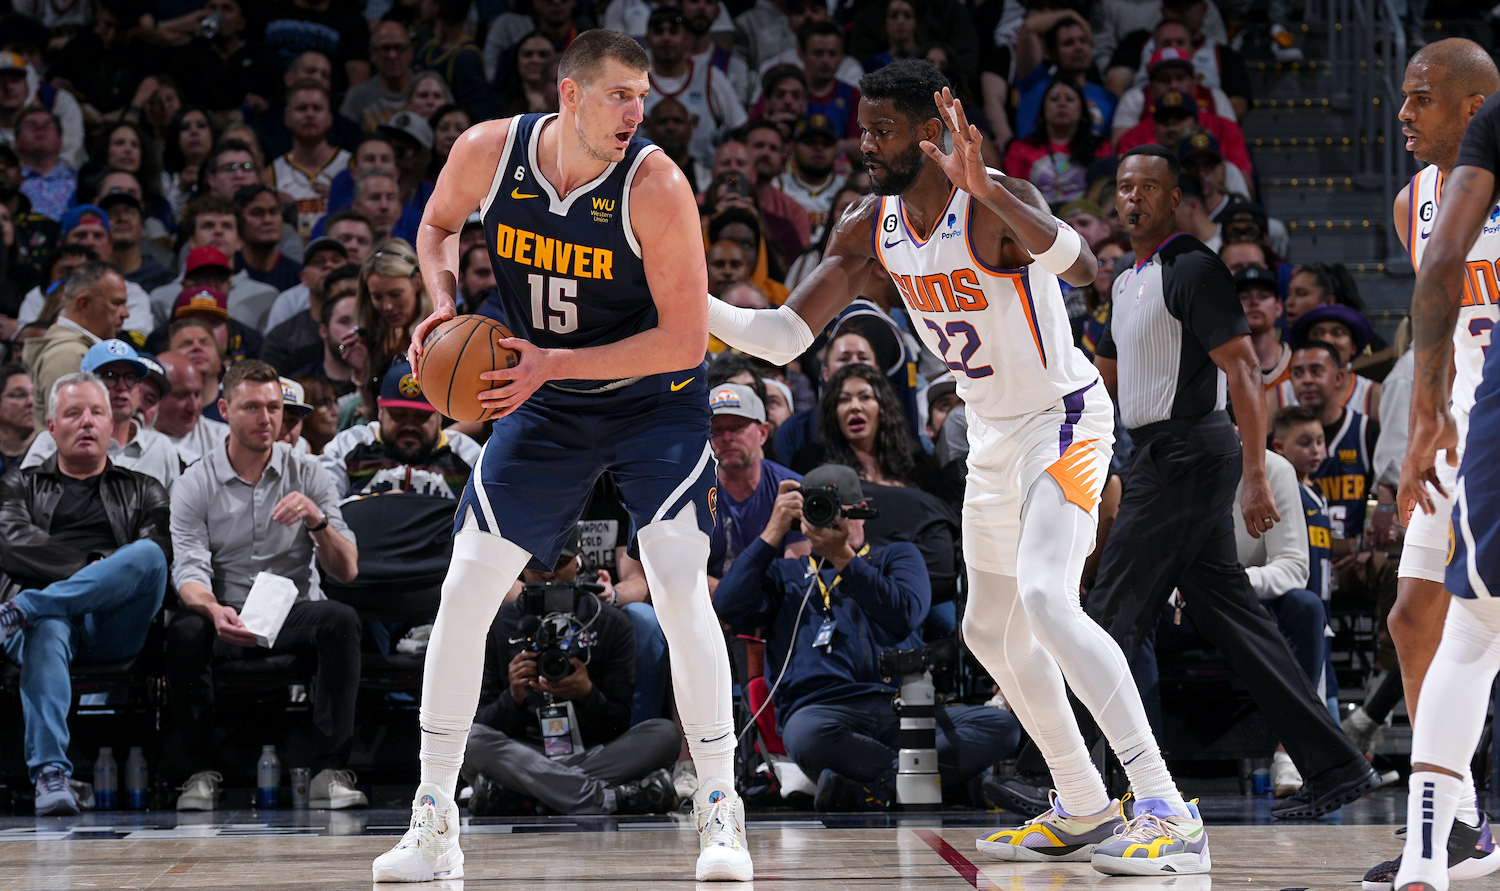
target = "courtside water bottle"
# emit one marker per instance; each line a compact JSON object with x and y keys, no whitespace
{"x":268,"y":778}
{"x":106,"y":780}
{"x":135,"y":780}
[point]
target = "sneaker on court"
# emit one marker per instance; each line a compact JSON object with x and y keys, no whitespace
{"x":1363,"y":730}
{"x":686,"y":780}
{"x":1156,"y":841}
{"x":720,"y":815}
{"x":1471,"y":854}
{"x":1285,"y":778}
{"x":1055,"y":835}
{"x":1016,"y":795}
{"x":334,"y":790}
{"x":837,"y":792}
{"x":54,"y":797}
{"x":429,"y":849}
{"x":653,"y":794}
{"x":1329,"y":790}
{"x":200,"y":792}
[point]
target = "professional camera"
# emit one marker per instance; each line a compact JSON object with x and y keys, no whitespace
{"x":917,"y":781}
{"x":550,"y":624}
{"x":821,"y":507}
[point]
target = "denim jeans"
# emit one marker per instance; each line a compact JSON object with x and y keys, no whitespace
{"x":101,"y":614}
{"x":651,"y":666}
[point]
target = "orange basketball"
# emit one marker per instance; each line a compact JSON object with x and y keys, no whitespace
{"x":454,"y":355}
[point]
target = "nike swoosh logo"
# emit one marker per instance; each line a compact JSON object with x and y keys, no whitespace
{"x":676,"y":387}
{"x":1426,"y":234}
{"x":891,"y":244}
{"x":516,"y":193}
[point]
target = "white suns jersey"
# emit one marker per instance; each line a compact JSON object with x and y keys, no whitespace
{"x":1003,"y":332}
{"x":1480,"y":309}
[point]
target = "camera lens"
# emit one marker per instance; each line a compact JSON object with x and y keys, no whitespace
{"x":554,"y":664}
{"x":820,"y":508}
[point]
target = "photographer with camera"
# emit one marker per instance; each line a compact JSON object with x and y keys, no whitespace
{"x":826,"y":619}
{"x":559,"y":676}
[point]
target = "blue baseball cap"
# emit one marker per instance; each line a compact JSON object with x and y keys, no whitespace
{"x":106,"y":351}
{"x":76,"y":214}
{"x":400,"y":389}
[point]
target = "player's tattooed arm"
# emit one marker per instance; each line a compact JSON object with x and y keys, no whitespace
{"x":845,"y":271}
{"x":1466,"y":204}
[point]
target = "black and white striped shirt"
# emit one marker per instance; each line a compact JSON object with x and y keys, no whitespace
{"x":1166,"y":315}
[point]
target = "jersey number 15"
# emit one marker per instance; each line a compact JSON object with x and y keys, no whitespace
{"x":554,"y":305}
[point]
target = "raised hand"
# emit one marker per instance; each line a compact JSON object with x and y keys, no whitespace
{"x":964,"y":166}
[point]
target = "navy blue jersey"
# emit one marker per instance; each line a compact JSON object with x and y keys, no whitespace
{"x":1344,"y":476}
{"x":1319,"y":542}
{"x":568,"y":271}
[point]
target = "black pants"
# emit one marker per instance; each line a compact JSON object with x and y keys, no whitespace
{"x":1175,"y":529}
{"x":330,"y":630}
{"x":574,"y":785}
{"x":859,"y":738}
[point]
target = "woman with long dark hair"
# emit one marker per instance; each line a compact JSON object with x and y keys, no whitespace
{"x":190,"y":137}
{"x":447,"y":123}
{"x":1056,"y":155}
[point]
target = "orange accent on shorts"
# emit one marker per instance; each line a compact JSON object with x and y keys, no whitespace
{"x":1074,"y":471}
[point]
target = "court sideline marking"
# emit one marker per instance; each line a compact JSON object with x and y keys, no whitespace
{"x":959,"y":862}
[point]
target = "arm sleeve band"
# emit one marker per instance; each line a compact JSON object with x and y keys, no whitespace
{"x":1064,"y":252}
{"x":777,"y":335}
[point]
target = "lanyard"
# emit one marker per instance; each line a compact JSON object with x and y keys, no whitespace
{"x":828,"y":589}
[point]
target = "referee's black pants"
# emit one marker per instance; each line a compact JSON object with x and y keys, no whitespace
{"x":1175,"y":529}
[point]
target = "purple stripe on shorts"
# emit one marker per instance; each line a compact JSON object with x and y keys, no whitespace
{"x":1073,"y":405}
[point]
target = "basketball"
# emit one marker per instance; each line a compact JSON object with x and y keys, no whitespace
{"x":453,"y":357}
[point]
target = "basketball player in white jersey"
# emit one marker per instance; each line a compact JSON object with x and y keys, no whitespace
{"x":599,"y":268}
{"x":1446,"y":82}
{"x":976,"y":257}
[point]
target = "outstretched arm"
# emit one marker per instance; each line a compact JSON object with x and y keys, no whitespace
{"x":1052,"y":243}
{"x":1467,"y":201}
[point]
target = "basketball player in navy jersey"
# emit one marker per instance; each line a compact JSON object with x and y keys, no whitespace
{"x":599,"y":271}
{"x":1456,"y":688}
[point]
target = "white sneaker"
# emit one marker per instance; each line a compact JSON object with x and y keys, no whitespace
{"x":720,"y":815}
{"x":429,"y":849}
{"x":334,"y":790}
{"x":1363,"y":731}
{"x":686,"y":780}
{"x":200,"y":792}
{"x":1285,"y":778}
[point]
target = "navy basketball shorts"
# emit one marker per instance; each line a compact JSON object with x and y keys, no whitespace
{"x":541,"y":461}
{"x":1474,"y":534}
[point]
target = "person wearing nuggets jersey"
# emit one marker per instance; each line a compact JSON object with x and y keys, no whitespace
{"x":1445,"y":84}
{"x":1455,"y":374}
{"x":599,"y":271}
{"x":976,"y":258}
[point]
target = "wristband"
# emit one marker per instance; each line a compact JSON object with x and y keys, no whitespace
{"x":1385,"y":508}
{"x":1065,"y":251}
{"x":321,"y":526}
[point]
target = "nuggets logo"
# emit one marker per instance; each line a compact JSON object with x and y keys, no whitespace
{"x":725,"y":398}
{"x":1200,"y":140}
{"x":713,"y":504}
{"x":409,"y":387}
{"x":1171,"y":100}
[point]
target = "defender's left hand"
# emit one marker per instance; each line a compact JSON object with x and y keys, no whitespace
{"x":534,"y":369}
{"x":964,"y":165}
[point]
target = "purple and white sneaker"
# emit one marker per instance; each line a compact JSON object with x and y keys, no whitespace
{"x":1157,"y":841}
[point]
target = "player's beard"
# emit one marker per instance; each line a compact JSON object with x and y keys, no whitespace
{"x":598,"y":150}
{"x":900,"y":173}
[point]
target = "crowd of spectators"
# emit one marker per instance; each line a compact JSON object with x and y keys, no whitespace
{"x":207,"y":286}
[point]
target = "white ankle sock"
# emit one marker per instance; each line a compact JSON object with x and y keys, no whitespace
{"x":1149,"y":777}
{"x":1430,"y":804}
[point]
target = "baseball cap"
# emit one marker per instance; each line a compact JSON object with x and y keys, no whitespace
{"x":865,"y":318}
{"x":399,"y":388}
{"x":1199,"y":144}
{"x":841,"y":477}
{"x":411,"y":125}
{"x":155,"y":371}
{"x":777,"y":73}
{"x":292,"y":397}
{"x":325,"y":243}
{"x":118,"y":196}
{"x":1172,"y":103}
{"x":75,"y":215}
{"x":784,"y":390}
{"x":572,"y":547}
{"x":1169,"y":57}
{"x":12,"y":62}
{"x":1256,"y":275}
{"x":201,"y":298}
{"x":738,"y":400}
{"x":1351,"y":318}
{"x":1246,"y":212}
{"x":207,"y":255}
{"x":941,"y":386}
{"x":816,"y":125}
{"x":113,"y":350}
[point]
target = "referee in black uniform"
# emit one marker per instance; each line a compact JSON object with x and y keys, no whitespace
{"x":1175,"y":336}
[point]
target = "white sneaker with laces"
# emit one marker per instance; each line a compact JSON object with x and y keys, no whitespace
{"x":720,"y":815}
{"x":201,"y":791}
{"x":334,"y":790}
{"x":429,"y":849}
{"x":1285,"y":778}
